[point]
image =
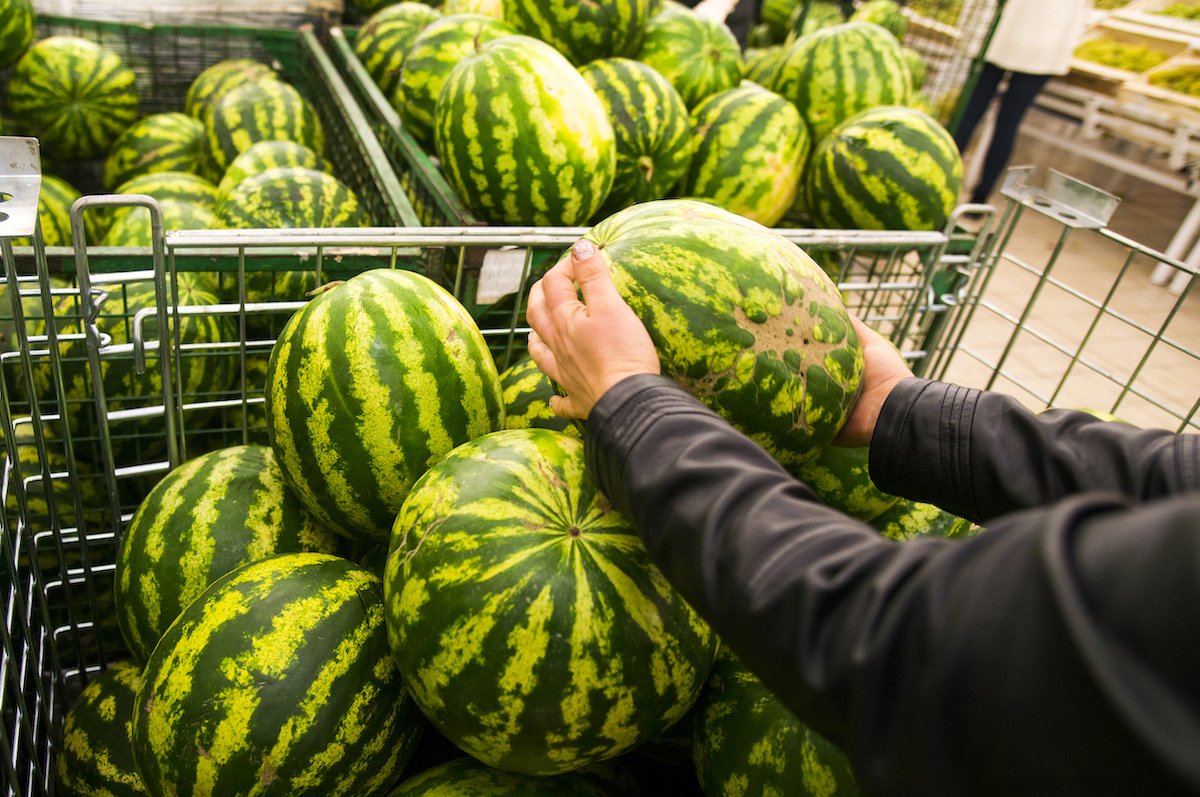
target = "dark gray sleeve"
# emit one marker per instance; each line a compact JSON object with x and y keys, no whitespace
{"x":1053,"y":654}
{"x":981,"y":455}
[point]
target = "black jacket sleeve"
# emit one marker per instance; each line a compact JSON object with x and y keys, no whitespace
{"x":1055,"y":654}
{"x":981,"y":455}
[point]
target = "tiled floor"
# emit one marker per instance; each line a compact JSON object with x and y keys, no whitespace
{"x":1126,"y":332}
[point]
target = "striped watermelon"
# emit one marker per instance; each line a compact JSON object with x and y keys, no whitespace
{"x":488,"y":8}
{"x":747,"y":742}
{"x":277,"y":680}
{"x":205,"y":518}
{"x":840,"y":70}
{"x":65,"y":487}
{"x":74,"y":95}
{"x":522,"y":137}
{"x":433,"y":55}
{"x":524,"y":613}
{"x":651,"y":126}
{"x":386,"y":37}
{"x":260,"y":111}
{"x":163,"y":142}
{"x":466,"y":777}
{"x":173,"y":185}
{"x":371,"y":383}
{"x":131,"y":226}
{"x":749,"y":148}
{"x":16,"y":29}
{"x":699,"y":56}
{"x":840,"y":478}
{"x":95,"y":757}
{"x":288,"y":196}
{"x":884,"y":13}
{"x":916,"y":69}
{"x":211,"y":85}
{"x":777,"y":15}
{"x":761,"y":65}
{"x":527,"y":393}
{"x":741,"y":318}
{"x":265,"y":155}
{"x":368,"y":7}
{"x":907,"y":519}
{"x":889,"y":168}
{"x":819,"y":15}
{"x":582,"y":32}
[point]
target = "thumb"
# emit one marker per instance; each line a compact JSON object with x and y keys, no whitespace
{"x":589,"y":269}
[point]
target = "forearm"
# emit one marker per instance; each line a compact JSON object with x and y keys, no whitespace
{"x":981,"y":455}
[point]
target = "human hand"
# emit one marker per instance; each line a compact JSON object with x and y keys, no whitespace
{"x":585,"y":346}
{"x":884,"y":367}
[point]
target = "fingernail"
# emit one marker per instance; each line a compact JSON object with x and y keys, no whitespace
{"x":582,"y":249}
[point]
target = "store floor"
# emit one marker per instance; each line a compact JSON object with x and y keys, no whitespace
{"x":1103,"y":337}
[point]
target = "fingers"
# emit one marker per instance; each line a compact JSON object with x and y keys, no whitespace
{"x":542,"y":356}
{"x":589,"y":269}
{"x":566,"y":407}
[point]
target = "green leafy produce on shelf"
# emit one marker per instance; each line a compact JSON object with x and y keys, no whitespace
{"x":1184,"y":10}
{"x":1120,"y":55}
{"x":1184,"y":79}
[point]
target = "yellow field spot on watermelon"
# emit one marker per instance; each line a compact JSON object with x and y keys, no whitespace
{"x":818,"y":778}
{"x":788,"y":399}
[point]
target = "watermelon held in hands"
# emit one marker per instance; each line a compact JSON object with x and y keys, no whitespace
{"x":741,"y":318}
{"x":840,"y":478}
{"x":525,"y":615}
{"x":889,"y":168}
{"x":372,"y":382}
{"x":522,"y":137}
{"x":276,"y":680}
{"x":204,"y":519}
{"x":75,"y":95}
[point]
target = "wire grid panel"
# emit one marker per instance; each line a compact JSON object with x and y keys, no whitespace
{"x":167,"y":58}
{"x":1078,"y":326}
{"x":949,"y":35}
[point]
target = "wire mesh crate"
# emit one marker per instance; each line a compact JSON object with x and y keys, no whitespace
{"x":1057,"y":329}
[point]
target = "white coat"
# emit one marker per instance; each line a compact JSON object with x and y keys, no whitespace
{"x":1038,"y":36}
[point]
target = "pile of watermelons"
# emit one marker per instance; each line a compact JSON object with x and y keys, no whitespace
{"x":820,"y":123}
{"x":414,"y":587}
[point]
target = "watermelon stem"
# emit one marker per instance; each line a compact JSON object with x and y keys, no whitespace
{"x":646,"y":167}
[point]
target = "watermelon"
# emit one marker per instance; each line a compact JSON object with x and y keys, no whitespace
{"x":368,"y":7}
{"x":838,"y":71}
{"x":651,"y":126}
{"x":173,"y":185}
{"x":277,"y":680}
{"x":74,"y":95}
{"x":434,"y":53}
{"x":65,"y":487}
{"x":488,"y":8}
{"x":163,"y":142}
{"x":131,"y":226}
{"x":522,"y":137}
{"x":95,"y":757}
{"x":386,"y":37}
{"x":907,"y":519}
{"x":777,"y":14}
{"x":741,"y":318}
{"x":582,"y":32}
{"x":211,"y":85}
{"x":260,"y":111}
{"x":265,"y":155}
{"x":916,"y":68}
{"x":749,"y":147}
{"x":371,"y":383}
{"x":527,"y":393}
{"x":747,"y":742}
{"x":525,"y":615}
{"x":889,"y":168}
{"x":16,"y":29}
{"x":289,"y":196}
{"x":840,"y":478}
{"x":699,"y":56}
{"x":205,"y":518}
{"x":884,"y":13}
{"x":819,"y":15}
{"x":761,"y":65}
{"x":466,"y":777}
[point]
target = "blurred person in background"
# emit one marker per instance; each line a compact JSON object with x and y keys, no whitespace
{"x":1033,"y":41}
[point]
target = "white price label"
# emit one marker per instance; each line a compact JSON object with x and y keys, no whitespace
{"x":500,"y":274}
